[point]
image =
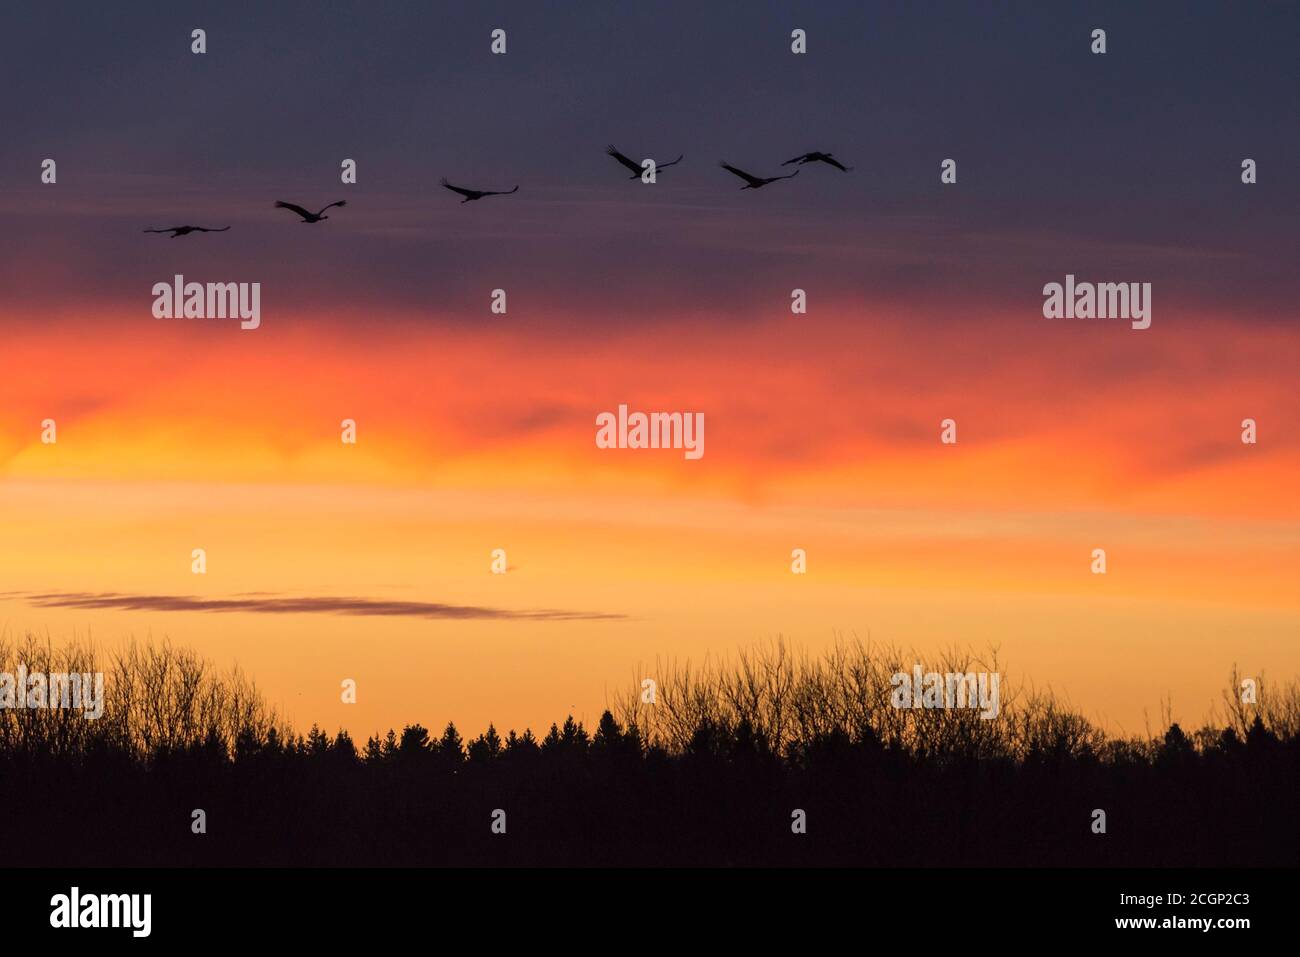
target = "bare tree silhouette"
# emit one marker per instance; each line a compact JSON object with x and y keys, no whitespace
{"x":705,"y":772}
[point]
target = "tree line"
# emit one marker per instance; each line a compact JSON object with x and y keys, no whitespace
{"x":775,"y":758}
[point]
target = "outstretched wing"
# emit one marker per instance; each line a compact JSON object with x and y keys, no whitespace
{"x":297,"y":209}
{"x":630,"y":164}
{"x":467,"y":193}
{"x":166,"y":230}
{"x":751,"y":180}
{"x":797,"y":159}
{"x":500,"y":192}
{"x":341,"y":202}
{"x":791,"y":176}
{"x":834,"y":162}
{"x":666,"y":165}
{"x":205,"y":229}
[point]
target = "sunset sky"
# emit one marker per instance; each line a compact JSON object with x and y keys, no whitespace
{"x":476,"y":431}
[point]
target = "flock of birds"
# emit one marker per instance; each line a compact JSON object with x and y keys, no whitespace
{"x":751,"y":182}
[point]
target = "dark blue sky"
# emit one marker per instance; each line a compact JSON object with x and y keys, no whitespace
{"x":1126,"y":163}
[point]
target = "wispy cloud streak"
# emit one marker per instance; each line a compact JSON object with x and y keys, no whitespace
{"x":287,"y":605}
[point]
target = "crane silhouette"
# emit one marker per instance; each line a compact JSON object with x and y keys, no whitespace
{"x":185,"y":230}
{"x":633,"y":165}
{"x":473,"y":194}
{"x":826,"y":158}
{"x":755,"y":182}
{"x":309,"y":217}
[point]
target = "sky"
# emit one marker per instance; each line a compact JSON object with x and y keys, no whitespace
{"x":475,"y":430}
